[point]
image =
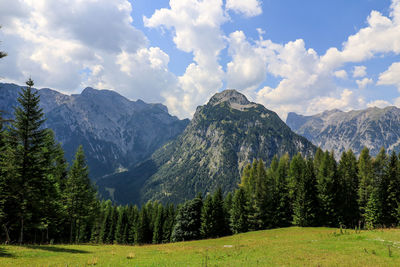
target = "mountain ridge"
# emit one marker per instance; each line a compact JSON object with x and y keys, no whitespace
{"x":339,"y":131}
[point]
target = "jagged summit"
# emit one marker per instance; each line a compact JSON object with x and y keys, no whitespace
{"x":235,"y":99}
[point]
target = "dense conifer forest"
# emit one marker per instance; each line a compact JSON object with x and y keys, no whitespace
{"x":43,"y":200}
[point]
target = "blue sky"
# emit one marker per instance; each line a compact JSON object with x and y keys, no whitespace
{"x":290,"y":55}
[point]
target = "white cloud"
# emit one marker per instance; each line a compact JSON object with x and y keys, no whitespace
{"x":379,"y":103}
{"x":364,"y":82}
{"x":196,"y":28}
{"x":342,"y":74}
{"x":359,"y":71}
{"x":249,"y":8}
{"x":391,"y":76}
{"x":248,"y":69}
{"x":68,"y":45}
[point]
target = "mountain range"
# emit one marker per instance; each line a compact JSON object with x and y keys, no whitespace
{"x":339,"y":131}
{"x":224,"y":135}
{"x":116,"y":133}
{"x":137,"y":151}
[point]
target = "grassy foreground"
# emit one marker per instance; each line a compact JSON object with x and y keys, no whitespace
{"x":279,"y":247}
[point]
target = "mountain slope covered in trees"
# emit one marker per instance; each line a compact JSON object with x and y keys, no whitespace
{"x":223,"y":136}
{"x":339,"y":131}
{"x":114,"y":131}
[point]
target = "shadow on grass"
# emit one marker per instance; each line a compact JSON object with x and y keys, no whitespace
{"x":4,"y":253}
{"x":57,"y":249}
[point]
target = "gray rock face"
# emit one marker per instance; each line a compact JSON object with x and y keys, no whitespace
{"x":114,"y":131}
{"x":339,"y":131}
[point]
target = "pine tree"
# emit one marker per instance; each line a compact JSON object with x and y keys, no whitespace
{"x":365,"y":177}
{"x":372,"y":210}
{"x":26,"y":141}
{"x":389,"y":192}
{"x":169,"y":223}
{"x":347,"y":169}
{"x":188,"y":221}
{"x":122,"y":221}
{"x":227,"y":211}
{"x":207,"y":219}
{"x":328,"y":190}
{"x":305,"y":206}
{"x":282,"y":214}
{"x":158,"y":224}
{"x":218,"y":214}
{"x":239,"y":212}
{"x":80,"y":195}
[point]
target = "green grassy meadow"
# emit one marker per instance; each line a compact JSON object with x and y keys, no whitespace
{"x":279,"y":247}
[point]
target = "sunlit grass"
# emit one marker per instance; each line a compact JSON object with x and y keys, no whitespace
{"x":279,"y":247}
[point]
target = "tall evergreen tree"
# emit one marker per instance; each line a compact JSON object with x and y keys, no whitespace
{"x":328,"y":190}
{"x":207,"y":218}
{"x":188,"y":221}
{"x":169,"y":222}
{"x":27,"y":138}
{"x":389,"y":192}
{"x":365,"y":177}
{"x":305,"y":206}
{"x":347,"y":170}
{"x":282,"y":215}
{"x":80,"y":195}
{"x":158,"y":224}
{"x":239,"y":212}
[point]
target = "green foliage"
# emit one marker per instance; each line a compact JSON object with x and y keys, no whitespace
{"x":239,"y":212}
{"x":188,"y":221}
{"x":80,"y":197}
{"x":347,"y":170}
{"x":328,"y":190}
{"x":305,"y":206}
{"x":365,"y":177}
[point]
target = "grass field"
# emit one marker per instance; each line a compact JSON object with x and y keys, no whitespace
{"x":279,"y":247}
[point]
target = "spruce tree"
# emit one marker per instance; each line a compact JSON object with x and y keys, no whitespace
{"x":169,"y":222}
{"x":239,"y":212}
{"x":365,"y":177}
{"x":347,"y":170}
{"x":158,"y":224}
{"x":390,"y":192}
{"x":188,"y":221}
{"x":328,"y":190}
{"x":80,"y":195}
{"x":305,"y":206}
{"x":207,"y":218}
{"x":26,"y":139}
{"x":282,"y":214}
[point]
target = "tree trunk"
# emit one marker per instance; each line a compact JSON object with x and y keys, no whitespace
{"x":6,"y":232}
{"x":21,"y":234}
{"x":70,"y":232}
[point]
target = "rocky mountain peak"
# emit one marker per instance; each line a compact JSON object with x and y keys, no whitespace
{"x":235,"y":99}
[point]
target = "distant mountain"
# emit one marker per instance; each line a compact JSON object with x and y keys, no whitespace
{"x":339,"y":131}
{"x":116,"y":133}
{"x":222,"y":138}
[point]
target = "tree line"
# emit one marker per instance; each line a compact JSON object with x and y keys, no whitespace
{"x":43,"y":200}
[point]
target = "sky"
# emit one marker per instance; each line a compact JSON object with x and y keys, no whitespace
{"x":289,"y":55}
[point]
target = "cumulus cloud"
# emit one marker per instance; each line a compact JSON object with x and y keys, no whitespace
{"x":364,"y":82}
{"x":359,"y":71}
{"x":68,"y":45}
{"x":391,"y":76}
{"x":248,"y":69}
{"x":342,"y":74}
{"x":196,"y":28}
{"x":248,"y":8}
{"x":379,"y":103}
